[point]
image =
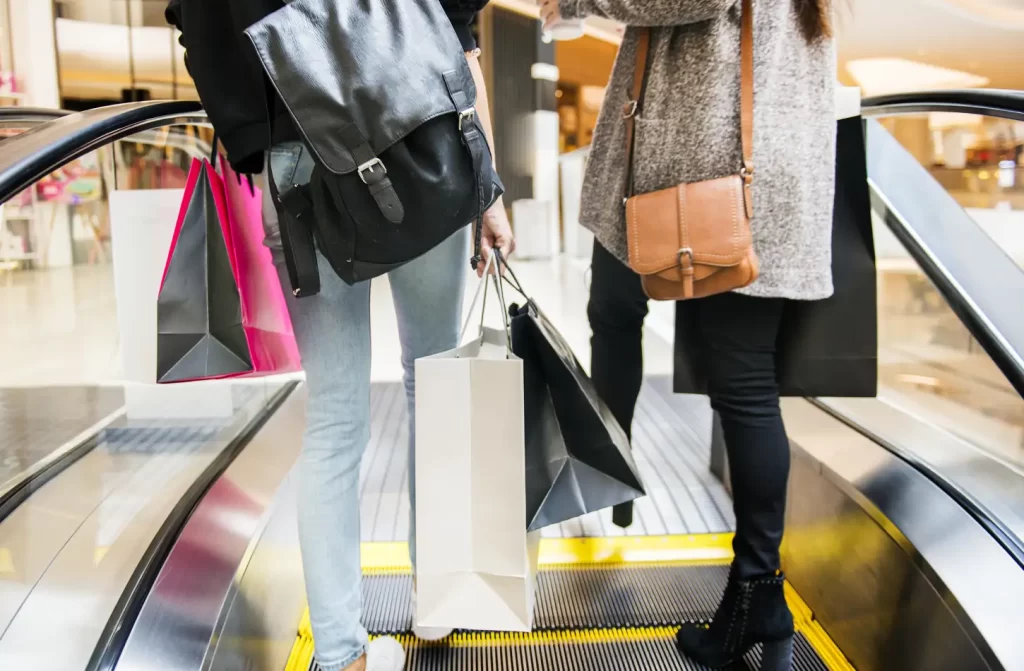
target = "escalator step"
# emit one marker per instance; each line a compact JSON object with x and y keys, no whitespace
{"x":597,"y":597}
{"x":651,"y":649}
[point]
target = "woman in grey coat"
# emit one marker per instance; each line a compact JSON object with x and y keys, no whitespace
{"x":688,"y":130}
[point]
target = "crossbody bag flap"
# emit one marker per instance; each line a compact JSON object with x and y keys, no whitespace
{"x":381,"y":65}
{"x":688,"y":219}
{"x":706,"y":221}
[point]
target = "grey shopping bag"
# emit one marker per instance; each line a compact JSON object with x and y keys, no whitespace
{"x":200,"y":332}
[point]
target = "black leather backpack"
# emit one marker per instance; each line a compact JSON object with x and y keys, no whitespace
{"x":383,"y":98}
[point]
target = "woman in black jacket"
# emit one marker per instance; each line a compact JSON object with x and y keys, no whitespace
{"x":332,"y":327}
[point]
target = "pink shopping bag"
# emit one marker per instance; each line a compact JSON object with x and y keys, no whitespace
{"x":268,"y":327}
{"x":220,"y":310}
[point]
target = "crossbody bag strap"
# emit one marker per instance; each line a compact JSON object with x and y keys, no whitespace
{"x":634,"y":105}
{"x":747,"y":89}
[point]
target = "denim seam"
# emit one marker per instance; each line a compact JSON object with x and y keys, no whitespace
{"x":339,"y":666}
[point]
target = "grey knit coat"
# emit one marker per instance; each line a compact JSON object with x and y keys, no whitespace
{"x":689,"y":128}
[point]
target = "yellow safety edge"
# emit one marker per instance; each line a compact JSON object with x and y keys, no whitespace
{"x":393,"y":557}
{"x":682,"y":549}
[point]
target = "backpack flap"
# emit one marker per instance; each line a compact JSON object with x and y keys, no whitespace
{"x":358,"y":77}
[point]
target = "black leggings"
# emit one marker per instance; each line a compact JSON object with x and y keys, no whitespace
{"x":740,"y":333}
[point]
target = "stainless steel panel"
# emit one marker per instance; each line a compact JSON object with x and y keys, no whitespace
{"x":898,"y":574}
{"x":204,"y":592}
{"x":258,"y":630}
{"x":991,"y":484}
{"x":77,"y":540}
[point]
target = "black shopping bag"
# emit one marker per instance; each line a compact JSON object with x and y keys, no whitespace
{"x":577,"y":456}
{"x":827,"y":347}
{"x":200,"y":334}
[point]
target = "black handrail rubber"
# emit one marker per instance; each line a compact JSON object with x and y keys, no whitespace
{"x":119,"y":625}
{"x":17,"y":495}
{"x":1001,"y":103}
{"x":39,"y":151}
{"x":985,"y":518}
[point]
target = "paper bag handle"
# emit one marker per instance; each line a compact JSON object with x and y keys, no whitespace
{"x":482,"y":289}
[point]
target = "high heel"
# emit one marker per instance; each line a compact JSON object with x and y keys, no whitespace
{"x":751,"y":612}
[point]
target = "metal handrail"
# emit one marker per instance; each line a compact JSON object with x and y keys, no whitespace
{"x":1000,"y":103}
{"x":39,"y":151}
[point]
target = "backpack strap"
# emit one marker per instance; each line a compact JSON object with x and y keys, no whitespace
{"x":295,"y":217}
{"x":373,"y":173}
{"x":475,"y":141}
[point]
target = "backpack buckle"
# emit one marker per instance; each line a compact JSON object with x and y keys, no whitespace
{"x":368,"y":168}
{"x":466,"y":115}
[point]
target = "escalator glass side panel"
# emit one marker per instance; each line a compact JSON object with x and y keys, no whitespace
{"x":972,"y":272}
{"x":932,"y":361}
{"x":931,"y":364}
{"x":979,"y":161}
{"x":944,"y":402}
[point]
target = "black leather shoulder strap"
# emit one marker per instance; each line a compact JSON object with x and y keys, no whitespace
{"x":295,"y":220}
{"x":475,"y":141}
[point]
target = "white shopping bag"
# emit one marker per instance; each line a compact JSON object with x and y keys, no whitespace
{"x":475,"y":563}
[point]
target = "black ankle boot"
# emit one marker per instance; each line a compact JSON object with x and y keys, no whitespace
{"x":751,"y":612}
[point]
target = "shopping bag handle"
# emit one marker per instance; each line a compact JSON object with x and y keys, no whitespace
{"x":481,"y":288}
{"x":214,"y":155}
{"x":510,"y":276}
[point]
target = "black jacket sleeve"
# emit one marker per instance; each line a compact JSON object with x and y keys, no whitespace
{"x":231,"y":89}
{"x":462,"y":14}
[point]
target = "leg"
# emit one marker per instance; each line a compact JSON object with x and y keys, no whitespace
{"x":616,"y":312}
{"x":740,"y":333}
{"x":333,"y":334}
{"x":428,"y":303}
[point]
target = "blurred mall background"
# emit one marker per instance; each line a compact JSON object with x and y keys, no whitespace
{"x":71,"y":317}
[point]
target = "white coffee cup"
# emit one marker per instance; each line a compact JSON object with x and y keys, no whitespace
{"x":564,"y":30}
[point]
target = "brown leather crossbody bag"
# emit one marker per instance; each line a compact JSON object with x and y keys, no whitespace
{"x":693,"y":240}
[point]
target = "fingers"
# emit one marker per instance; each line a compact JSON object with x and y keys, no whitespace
{"x":548,"y":10}
{"x":485,"y":255}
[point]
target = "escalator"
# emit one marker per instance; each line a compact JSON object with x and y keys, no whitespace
{"x":904,"y":528}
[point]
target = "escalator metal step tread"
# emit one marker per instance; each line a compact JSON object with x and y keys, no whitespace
{"x":590,"y":615}
{"x":607,"y":650}
{"x":574,"y":598}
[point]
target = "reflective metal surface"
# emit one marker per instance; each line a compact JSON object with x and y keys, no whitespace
{"x":202,"y":607}
{"x":898,"y":574}
{"x":995,"y":488}
{"x":73,"y":544}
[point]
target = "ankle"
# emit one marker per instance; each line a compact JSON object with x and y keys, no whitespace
{"x":358,"y":665}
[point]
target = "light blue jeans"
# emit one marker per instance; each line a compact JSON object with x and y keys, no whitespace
{"x":333,"y":333}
